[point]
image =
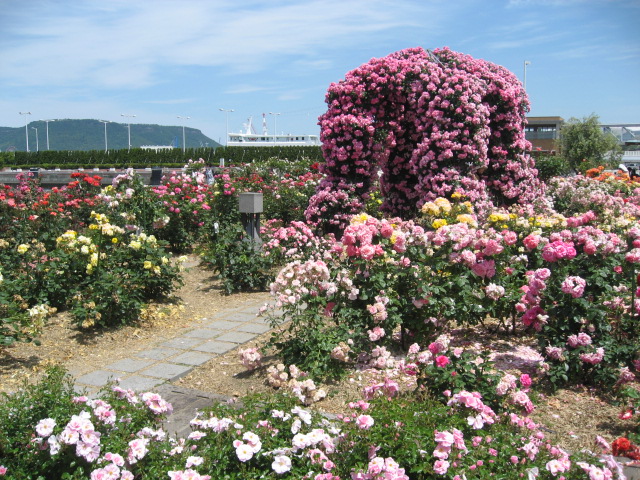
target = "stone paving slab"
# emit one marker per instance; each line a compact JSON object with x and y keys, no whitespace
{"x":168,"y":371}
{"x":97,"y":378}
{"x":240,"y":317}
{"x":140,"y":384}
{"x":257,"y":328}
{"x":159,"y":353}
{"x":214,"y":346}
{"x":204,"y":333}
{"x":130,"y":365}
{"x":186,"y":404}
{"x":236,"y":337}
{"x":192,"y":358}
{"x":223,"y":325}
{"x":185,"y":343}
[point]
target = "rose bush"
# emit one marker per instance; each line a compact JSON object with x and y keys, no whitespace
{"x":431,"y":123}
{"x":51,"y":431}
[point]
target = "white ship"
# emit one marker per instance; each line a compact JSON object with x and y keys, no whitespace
{"x":250,"y":138}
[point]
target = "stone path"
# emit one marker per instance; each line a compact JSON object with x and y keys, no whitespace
{"x":171,"y":359}
{"x":154,"y":368}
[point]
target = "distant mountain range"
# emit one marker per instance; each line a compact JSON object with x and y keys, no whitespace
{"x":69,"y":134}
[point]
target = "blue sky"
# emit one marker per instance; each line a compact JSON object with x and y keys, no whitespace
{"x":159,"y":59}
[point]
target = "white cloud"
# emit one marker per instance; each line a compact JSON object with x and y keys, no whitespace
{"x":120,"y":44}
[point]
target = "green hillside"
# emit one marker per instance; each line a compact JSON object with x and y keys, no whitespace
{"x":69,"y":134}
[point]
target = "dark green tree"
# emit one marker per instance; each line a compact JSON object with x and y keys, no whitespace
{"x":585,"y":145}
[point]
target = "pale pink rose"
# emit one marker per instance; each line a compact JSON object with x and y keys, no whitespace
{"x":376,"y":333}
{"x":281,"y":464}
{"x":440,"y":467}
{"x":45,"y":427}
{"x":364,"y":422}
{"x":244,"y":452}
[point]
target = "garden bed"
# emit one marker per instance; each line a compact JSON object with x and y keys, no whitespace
{"x":573,"y":417}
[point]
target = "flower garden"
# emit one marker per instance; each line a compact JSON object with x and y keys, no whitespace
{"x":426,"y":219}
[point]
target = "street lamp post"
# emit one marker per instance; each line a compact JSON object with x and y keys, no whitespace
{"x":47,"y":127}
{"x":184,"y":143}
{"x":526,"y":62}
{"x":26,"y":127}
{"x":275,"y":125}
{"x":227,"y":112}
{"x":106,"y":149}
{"x":37,"y":142}
{"x":128,"y":127}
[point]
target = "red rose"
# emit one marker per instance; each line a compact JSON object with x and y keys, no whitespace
{"x":620,"y":445}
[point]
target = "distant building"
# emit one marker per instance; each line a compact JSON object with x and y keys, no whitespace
{"x":156,"y":148}
{"x":628,"y":134}
{"x":544,"y":133}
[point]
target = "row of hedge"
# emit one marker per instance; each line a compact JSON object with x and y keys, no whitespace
{"x":137,"y":157}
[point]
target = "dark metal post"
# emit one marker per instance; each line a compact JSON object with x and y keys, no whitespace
{"x":156,"y":176}
{"x":250,"y":206}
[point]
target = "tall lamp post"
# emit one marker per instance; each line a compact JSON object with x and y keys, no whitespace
{"x":37,"y":142}
{"x":227,"y":112}
{"x":128,"y":126}
{"x":275,"y":125}
{"x":47,"y":127}
{"x":526,"y":62}
{"x":26,"y":127}
{"x":184,"y":143}
{"x":106,"y":148}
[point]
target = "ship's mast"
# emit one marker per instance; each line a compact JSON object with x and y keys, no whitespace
{"x":264,"y":124}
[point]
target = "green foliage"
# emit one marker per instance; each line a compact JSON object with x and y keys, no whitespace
{"x":21,"y":411}
{"x":15,"y":322}
{"x":402,"y":436}
{"x":552,"y":166}
{"x":140,"y":158}
{"x":238,"y":260}
{"x":632,"y":396}
{"x":53,"y":397}
{"x":585,"y":145}
{"x":466,"y":370}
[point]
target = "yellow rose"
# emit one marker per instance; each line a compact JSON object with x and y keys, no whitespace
{"x":440,"y":222}
{"x":443,"y":203}
{"x":114,"y":240}
{"x":147,"y":265}
{"x":430,"y":208}
{"x":359,"y":219}
{"x":466,"y":218}
{"x":22,"y":248}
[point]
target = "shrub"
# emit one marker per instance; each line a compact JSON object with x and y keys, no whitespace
{"x":49,"y":431}
{"x":238,"y":260}
{"x":430,"y":123}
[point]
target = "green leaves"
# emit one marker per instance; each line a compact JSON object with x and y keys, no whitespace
{"x":585,"y":145}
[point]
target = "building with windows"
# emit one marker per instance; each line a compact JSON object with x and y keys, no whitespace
{"x":544,"y":133}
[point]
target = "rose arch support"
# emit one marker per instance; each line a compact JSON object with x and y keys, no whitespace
{"x":428,"y":124}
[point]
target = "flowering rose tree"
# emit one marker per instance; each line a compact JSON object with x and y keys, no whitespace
{"x":430,"y":123}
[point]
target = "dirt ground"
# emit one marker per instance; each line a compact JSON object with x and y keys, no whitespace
{"x":571,"y":417}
